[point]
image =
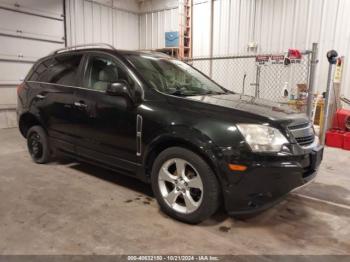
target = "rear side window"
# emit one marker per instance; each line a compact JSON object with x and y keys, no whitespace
{"x":38,"y":71}
{"x":58,"y":70}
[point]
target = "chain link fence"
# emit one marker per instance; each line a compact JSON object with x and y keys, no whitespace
{"x":276,"y":77}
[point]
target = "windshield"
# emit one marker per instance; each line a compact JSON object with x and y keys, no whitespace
{"x":173,"y":77}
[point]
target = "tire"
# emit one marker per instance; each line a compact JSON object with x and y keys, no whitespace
{"x":181,"y":197}
{"x":38,"y":145}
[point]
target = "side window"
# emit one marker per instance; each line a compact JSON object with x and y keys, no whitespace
{"x":58,"y":70}
{"x":64,"y":70}
{"x":40,"y":70}
{"x":103,"y":71}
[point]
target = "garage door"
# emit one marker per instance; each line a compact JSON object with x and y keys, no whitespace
{"x":29,"y":29}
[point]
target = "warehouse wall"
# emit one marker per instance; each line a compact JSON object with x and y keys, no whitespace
{"x":37,"y":28}
{"x":112,"y":22}
{"x":28,"y":31}
{"x":276,"y":25}
{"x":156,"y":18}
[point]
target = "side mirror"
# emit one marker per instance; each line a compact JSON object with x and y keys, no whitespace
{"x":118,"y":89}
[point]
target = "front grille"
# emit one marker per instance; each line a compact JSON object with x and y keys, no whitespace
{"x":303,"y":133}
{"x":299,"y":126}
{"x":306,"y":140}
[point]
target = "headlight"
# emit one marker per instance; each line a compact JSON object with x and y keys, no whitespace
{"x":262,"y":138}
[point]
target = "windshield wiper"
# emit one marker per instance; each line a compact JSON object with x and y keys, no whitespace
{"x":209,"y":92}
{"x":178,"y":92}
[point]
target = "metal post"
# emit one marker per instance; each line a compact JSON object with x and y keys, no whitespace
{"x":257,"y":81}
{"x":65,"y":23}
{"x":332,"y":59}
{"x":311,"y":89}
{"x":211,"y":35}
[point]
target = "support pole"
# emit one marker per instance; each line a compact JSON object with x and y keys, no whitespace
{"x":311,"y":89}
{"x":332,"y":59}
{"x":211,"y":38}
{"x":257,"y":81}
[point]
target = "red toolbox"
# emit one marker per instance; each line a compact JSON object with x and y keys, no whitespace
{"x":341,"y":118}
{"x":335,"y":138}
{"x":346,"y":144}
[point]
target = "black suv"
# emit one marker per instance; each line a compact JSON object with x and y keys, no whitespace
{"x":158,"y":119}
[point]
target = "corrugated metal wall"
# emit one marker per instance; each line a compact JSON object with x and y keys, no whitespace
{"x":103,"y":22}
{"x":276,"y":25}
{"x":154,"y":24}
{"x":200,"y":28}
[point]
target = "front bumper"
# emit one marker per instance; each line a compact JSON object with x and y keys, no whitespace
{"x":268,"y":180}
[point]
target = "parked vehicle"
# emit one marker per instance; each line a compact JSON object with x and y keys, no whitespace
{"x":147,"y":115}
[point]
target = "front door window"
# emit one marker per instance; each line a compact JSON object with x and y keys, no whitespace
{"x":102,"y":71}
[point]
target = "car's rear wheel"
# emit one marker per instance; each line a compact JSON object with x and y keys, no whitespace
{"x":185,"y":186}
{"x":38,"y":145}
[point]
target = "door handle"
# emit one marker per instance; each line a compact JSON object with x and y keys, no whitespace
{"x":80,"y":104}
{"x":40,"y":96}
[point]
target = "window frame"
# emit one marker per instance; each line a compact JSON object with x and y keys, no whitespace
{"x":140,"y":84}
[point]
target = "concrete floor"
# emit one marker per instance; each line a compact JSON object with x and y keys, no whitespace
{"x":72,"y":208}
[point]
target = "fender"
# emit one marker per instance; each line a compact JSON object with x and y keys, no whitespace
{"x":190,"y":138}
{"x":28,"y":118}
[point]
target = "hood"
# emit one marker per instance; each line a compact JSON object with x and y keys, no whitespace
{"x":272,"y":110}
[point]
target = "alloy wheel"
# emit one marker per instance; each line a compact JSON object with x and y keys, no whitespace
{"x":180,"y":185}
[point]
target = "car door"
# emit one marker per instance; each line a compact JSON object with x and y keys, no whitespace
{"x":56,"y":81}
{"x":106,"y":124}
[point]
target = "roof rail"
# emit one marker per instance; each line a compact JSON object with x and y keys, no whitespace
{"x":85,"y":46}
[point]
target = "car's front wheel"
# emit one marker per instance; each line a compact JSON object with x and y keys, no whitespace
{"x":185,"y":186}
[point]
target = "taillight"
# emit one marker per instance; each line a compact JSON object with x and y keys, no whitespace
{"x":20,"y":88}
